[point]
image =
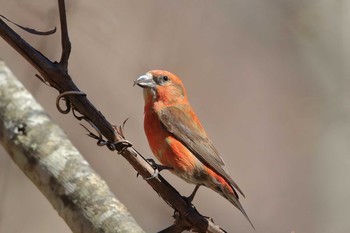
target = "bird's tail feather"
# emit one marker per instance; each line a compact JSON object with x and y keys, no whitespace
{"x":233,"y":198}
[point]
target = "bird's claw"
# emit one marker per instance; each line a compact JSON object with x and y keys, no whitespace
{"x":190,"y":198}
{"x":154,"y":175}
{"x":157,"y":168}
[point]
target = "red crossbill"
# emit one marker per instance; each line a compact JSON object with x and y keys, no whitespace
{"x":178,"y":139}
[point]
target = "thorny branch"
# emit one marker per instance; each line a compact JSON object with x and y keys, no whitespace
{"x":57,"y":76}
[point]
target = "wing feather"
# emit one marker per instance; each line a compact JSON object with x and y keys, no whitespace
{"x":179,"y":121}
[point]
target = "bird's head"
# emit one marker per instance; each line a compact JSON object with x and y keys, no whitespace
{"x":160,"y":85}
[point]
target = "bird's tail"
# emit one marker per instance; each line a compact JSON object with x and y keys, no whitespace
{"x":232,"y":196}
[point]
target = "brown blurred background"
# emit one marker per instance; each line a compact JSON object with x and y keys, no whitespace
{"x":269,"y":80}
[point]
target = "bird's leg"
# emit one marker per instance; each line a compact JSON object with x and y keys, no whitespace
{"x":157,"y":168}
{"x":190,"y":198}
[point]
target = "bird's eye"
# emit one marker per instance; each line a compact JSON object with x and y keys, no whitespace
{"x":165,"y":78}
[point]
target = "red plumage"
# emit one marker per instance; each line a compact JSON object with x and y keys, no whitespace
{"x":178,"y":139}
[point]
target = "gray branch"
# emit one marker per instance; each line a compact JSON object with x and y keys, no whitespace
{"x":56,"y":75}
{"x":41,"y":149}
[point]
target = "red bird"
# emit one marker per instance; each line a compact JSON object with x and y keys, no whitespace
{"x":178,"y":139}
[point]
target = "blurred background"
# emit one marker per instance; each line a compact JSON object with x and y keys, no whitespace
{"x":269,"y":80}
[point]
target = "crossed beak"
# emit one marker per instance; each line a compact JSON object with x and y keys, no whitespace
{"x":145,"y":81}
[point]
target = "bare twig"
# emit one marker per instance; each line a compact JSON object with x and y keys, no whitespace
{"x":57,"y":76}
{"x":66,"y":45}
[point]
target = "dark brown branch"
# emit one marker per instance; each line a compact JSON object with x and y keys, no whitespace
{"x":34,"y":57}
{"x":58,"y":77}
{"x":175,"y":228}
{"x":66,"y":45}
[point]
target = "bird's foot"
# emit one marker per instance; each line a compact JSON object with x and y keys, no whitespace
{"x":157,"y":168}
{"x":190,"y":198}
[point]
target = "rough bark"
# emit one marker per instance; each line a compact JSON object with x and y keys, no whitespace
{"x":43,"y":152}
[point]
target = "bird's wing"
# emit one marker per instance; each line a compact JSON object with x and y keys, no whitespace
{"x":179,"y":120}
